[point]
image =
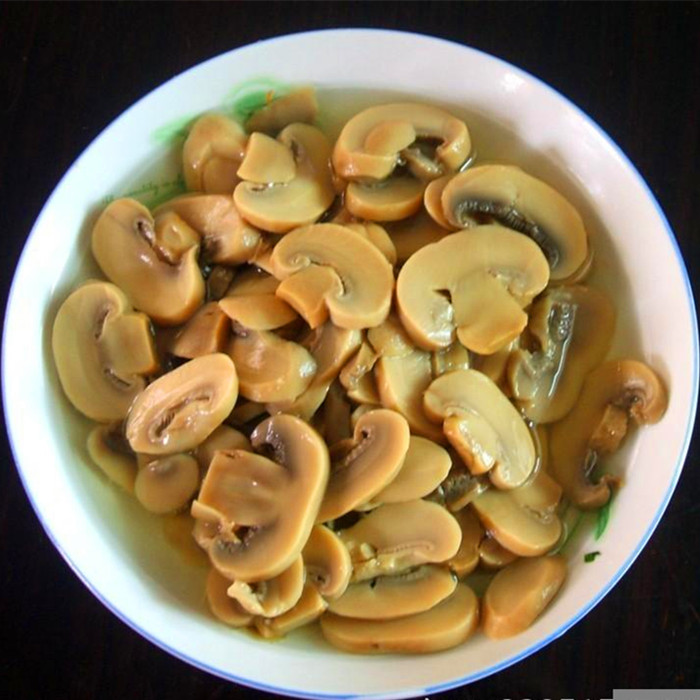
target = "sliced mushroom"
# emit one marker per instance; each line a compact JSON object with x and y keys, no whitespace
{"x":446,"y":625}
{"x":519,"y":594}
{"x":473,"y":284}
{"x":493,"y":555}
{"x":320,"y":276}
{"x":460,"y":487}
{"x":413,"y":233}
{"x":389,"y":338}
{"x":281,"y":207}
{"x":378,"y":450}
{"x":223,"y":438}
{"x":267,"y":160}
{"x":205,"y":333}
{"x":172,"y":237}
{"x":264,"y":510}
{"x":297,"y":106}
{"x":305,"y":406}
{"x":212,"y":153}
{"x":182,"y":408}
{"x":327,"y":562}
{"x":102,"y":350}
{"x":389,"y":597}
{"x":309,"y":607}
{"x":495,"y":365}
{"x":467,"y":557}
{"x":483,"y":426}
{"x":356,"y":377}
{"x":449,"y":359}
{"x":274,"y":596}
{"x":399,"y":536}
{"x":392,"y":199}
{"x":219,"y":281}
{"x":612,"y":394}
{"x":244,"y":412}
{"x":336,"y":415}
{"x":226,"y":609}
{"x":378,"y":236}
{"x":177,"y":532}
{"x":110,"y":451}
{"x":166,"y":484}
{"x":525,"y":204}
{"x":432,"y":200}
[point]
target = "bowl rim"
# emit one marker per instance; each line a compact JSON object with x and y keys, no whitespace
{"x":494,"y":668}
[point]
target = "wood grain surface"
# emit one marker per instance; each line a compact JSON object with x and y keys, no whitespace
{"x":67,"y":70}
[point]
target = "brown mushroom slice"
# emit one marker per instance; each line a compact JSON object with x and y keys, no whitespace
{"x":360,"y":411}
{"x":263,"y":312}
{"x":519,"y":594}
{"x":110,"y":451}
{"x":244,"y":412}
{"x":413,"y":233}
{"x":182,"y":408}
{"x":318,"y":266}
{"x":446,"y":625}
{"x":378,"y":236}
{"x":493,"y":555}
{"x":399,"y":536}
{"x":172,"y":237}
{"x":101,"y":350}
{"x":305,"y":405}
{"x":336,"y":415}
{"x":327,"y":562}
{"x":483,"y":426}
{"x":612,"y":394}
{"x":308,"y":608}
{"x":449,"y":359}
{"x":297,"y":106}
{"x":432,"y":200}
{"x":389,"y":597}
{"x":467,"y":557}
{"x":219,"y":281}
{"x":270,"y":368}
{"x":274,"y":596}
{"x":123,"y":245}
{"x":267,"y":160}
{"x":264,"y":510}
{"x":331,"y":347}
{"x":223,"y":438}
{"x":460,"y":487}
{"x":166,"y":484}
{"x":370,"y":143}
{"x":523,"y":203}
{"x":212,"y":152}
{"x":473,"y":284}
{"x":225,"y":608}
{"x":205,"y":333}
{"x":573,"y":327}
{"x":279,"y":208}
{"x":390,"y":200}
{"x":356,"y":376}
{"x":380,"y":444}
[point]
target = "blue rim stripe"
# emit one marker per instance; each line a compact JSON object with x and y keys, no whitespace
{"x":535,"y":647}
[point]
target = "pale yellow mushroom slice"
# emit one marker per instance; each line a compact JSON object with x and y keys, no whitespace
{"x":389,"y":338}
{"x":377,"y":235}
{"x":274,"y":596}
{"x":306,"y":405}
{"x":360,"y":298}
{"x":432,"y":200}
{"x":223,"y":438}
{"x":612,"y":394}
{"x":212,"y":153}
{"x":495,"y":365}
{"x":205,"y":333}
{"x":472,"y":285}
{"x":267,"y":161}
{"x":467,"y":557}
{"x":523,"y":203}
{"x":447,"y":625}
{"x":123,"y":244}
{"x":110,"y":451}
{"x":309,"y":607}
{"x":389,"y":597}
{"x":167,"y":484}
{"x":392,"y":199}
{"x":244,"y":412}
{"x":225,"y":608}
{"x":399,"y":536}
{"x":299,"y":105}
{"x":262,"y":511}
{"x":412,"y":234}
{"x":449,"y":359}
{"x":182,"y":408}
{"x":102,"y":350}
{"x":356,"y":376}
{"x":172,"y":236}
{"x":327,"y":562}
{"x":493,"y":555}
{"x":519,"y":594}
{"x":483,"y":426}
{"x":573,"y":327}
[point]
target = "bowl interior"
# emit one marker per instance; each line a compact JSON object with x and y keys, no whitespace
{"x":126,"y":556}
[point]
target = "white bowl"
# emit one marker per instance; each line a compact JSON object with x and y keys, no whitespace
{"x":118,"y":550}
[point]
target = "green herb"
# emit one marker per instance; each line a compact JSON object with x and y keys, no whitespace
{"x":590,"y":556}
{"x":173,"y":132}
{"x":152,"y":194}
{"x":602,"y":518}
{"x":250,"y":96}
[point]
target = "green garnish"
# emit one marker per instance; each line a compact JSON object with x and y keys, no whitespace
{"x":590,"y":556}
{"x":602,"y":518}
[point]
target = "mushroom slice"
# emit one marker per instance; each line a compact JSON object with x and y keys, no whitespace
{"x":449,"y":359}
{"x":172,"y":237}
{"x":519,"y":594}
{"x":493,"y":555}
{"x":123,"y":244}
{"x":359,"y":412}
{"x":205,"y":333}
{"x":318,"y":266}
{"x":495,"y":365}
{"x":374,"y":458}
{"x":264,"y":510}
{"x":101,"y":349}
{"x":327,"y":562}
{"x":389,"y":597}
{"x":392,"y":199}
{"x":612,"y":394}
{"x":182,"y":408}
{"x":573,"y":327}
{"x":270,"y":368}
{"x":305,"y":405}
{"x":399,"y":536}
{"x":267,"y":160}
{"x":297,"y":106}
{"x":390,"y":339}
{"x":432,"y":200}
{"x":378,"y":236}
{"x":336,"y":415}
{"x":460,"y":488}
{"x":483,"y":426}
{"x":446,"y":625}
{"x":474,"y":284}
{"x":525,"y":204}
{"x":166,"y":484}
{"x":413,"y":233}
{"x":272,"y":597}
{"x":369,"y":145}
{"x":467,"y":557}
{"x":223,"y":438}
{"x":219,"y":281}
{"x":281,"y":207}
{"x":212,"y":153}
{"x":309,"y":607}
{"x":225,"y":608}
{"x":110,"y":451}
{"x":244,"y":412}
{"x":356,"y":377}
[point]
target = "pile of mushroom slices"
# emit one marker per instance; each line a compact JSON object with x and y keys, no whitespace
{"x":369,"y":370}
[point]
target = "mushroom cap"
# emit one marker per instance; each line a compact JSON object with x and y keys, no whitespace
{"x":267,"y":161}
{"x":392,"y":199}
{"x":467,"y":557}
{"x":356,"y":296}
{"x":101,"y":350}
{"x":223,"y":438}
{"x":490,"y":274}
{"x":166,"y":484}
{"x":376,"y":235}
{"x":327,"y":562}
{"x":110,"y":451}
{"x":297,"y":106}
{"x":356,"y":376}
{"x":180,"y":409}
{"x":308,"y":608}
{"x":225,"y":608}
{"x":493,"y":555}
{"x":432,"y":200}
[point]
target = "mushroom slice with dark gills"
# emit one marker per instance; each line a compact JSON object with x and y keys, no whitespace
{"x":573,"y":327}
{"x":110,"y":451}
{"x":262,"y":510}
{"x":612,"y":394}
{"x":522,"y":203}
{"x":166,"y":484}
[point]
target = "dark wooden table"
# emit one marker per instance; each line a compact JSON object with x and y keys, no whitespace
{"x":66,"y":70}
